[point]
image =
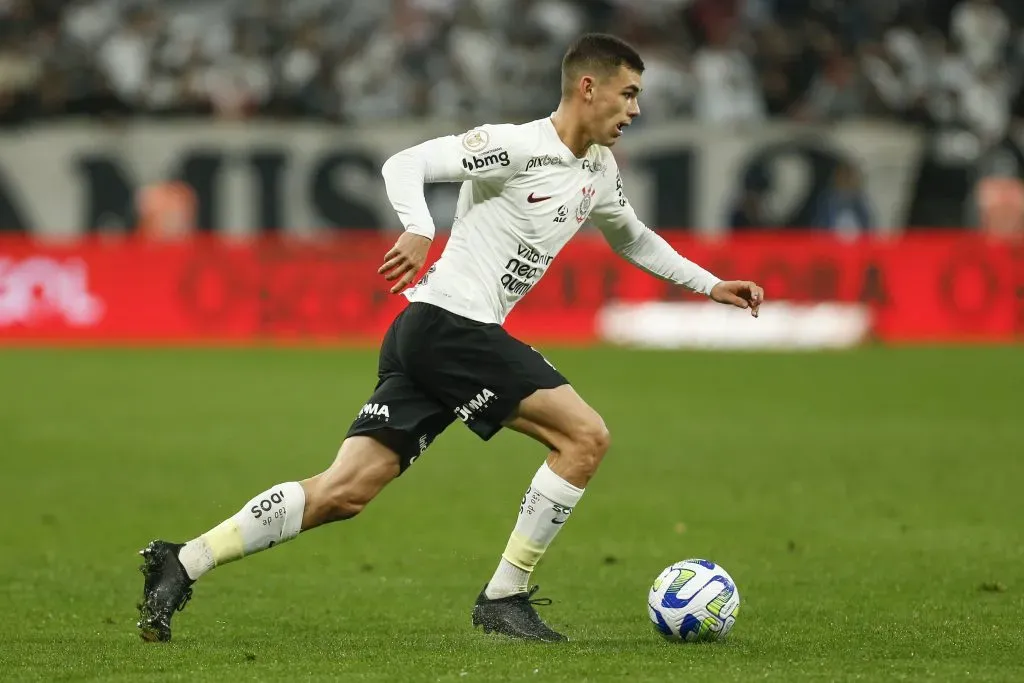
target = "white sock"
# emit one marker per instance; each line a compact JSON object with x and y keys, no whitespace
{"x":545,"y":508}
{"x":272,"y":517}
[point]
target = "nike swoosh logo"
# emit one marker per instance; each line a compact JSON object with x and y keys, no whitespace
{"x":534,"y":200}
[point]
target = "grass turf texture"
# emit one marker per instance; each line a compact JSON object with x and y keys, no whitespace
{"x":867,"y":503}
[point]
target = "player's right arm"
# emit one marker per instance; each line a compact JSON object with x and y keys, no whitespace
{"x":487,"y":153}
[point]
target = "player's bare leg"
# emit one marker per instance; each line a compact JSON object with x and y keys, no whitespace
{"x":362,"y":468}
{"x":578,"y":440}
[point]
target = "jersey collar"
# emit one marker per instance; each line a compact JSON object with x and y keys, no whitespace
{"x":550,"y":126}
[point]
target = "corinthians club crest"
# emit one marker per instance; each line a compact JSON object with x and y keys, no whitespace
{"x":583,"y":210}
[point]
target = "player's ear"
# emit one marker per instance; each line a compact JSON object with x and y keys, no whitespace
{"x":587,"y":88}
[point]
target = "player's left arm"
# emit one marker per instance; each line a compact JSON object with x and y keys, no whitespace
{"x":647,"y":250}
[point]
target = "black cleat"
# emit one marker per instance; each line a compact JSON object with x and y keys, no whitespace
{"x":514,"y":616}
{"x":167,"y":589}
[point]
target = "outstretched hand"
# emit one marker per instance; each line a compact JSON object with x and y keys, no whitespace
{"x":405,"y":260}
{"x":739,"y":293}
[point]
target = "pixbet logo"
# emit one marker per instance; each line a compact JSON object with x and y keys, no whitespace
{"x":266,"y":504}
{"x":544,"y":160}
{"x":476,"y":163}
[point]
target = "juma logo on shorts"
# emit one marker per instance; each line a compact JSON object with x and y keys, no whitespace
{"x":475,"y":163}
{"x":468,"y":411}
{"x":378,"y":410}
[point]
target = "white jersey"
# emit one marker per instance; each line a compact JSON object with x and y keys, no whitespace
{"x":524,"y":195}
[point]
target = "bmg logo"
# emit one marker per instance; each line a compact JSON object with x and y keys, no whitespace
{"x":476,"y":163}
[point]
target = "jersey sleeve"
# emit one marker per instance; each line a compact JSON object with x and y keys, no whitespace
{"x":638,"y":244}
{"x":489,"y":153}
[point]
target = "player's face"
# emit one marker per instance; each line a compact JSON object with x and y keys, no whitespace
{"x":615,"y":105}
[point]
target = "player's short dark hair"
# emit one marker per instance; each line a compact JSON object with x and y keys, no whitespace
{"x":598,"y":52}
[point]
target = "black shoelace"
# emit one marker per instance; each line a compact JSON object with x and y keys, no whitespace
{"x":184,"y":600}
{"x":537,"y":601}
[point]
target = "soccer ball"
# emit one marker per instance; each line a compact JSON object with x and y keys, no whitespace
{"x":693,"y":600}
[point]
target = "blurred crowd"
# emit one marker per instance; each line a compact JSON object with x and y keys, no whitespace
{"x":357,"y":60}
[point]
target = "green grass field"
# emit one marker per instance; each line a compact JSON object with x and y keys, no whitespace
{"x":869,"y":505}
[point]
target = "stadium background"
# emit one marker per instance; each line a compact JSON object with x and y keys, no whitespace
{"x":790,"y":141}
{"x":197,"y":173}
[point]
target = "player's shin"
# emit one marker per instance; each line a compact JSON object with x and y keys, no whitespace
{"x":544,"y":510}
{"x":271,"y":518}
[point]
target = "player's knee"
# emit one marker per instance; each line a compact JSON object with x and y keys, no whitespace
{"x":361,"y":470}
{"x":344,"y":502}
{"x":590,"y":441}
{"x":346,"y":506}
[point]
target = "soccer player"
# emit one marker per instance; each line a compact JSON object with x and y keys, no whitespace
{"x":526,"y":190}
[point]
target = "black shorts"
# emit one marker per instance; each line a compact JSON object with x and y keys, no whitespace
{"x":436,"y":367}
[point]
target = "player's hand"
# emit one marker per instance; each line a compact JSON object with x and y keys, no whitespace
{"x":405,"y":260}
{"x":739,"y":293}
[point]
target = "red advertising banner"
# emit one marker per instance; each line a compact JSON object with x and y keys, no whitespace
{"x":923,"y":287}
